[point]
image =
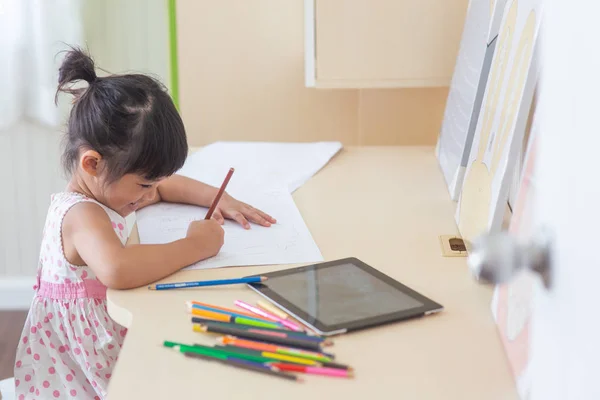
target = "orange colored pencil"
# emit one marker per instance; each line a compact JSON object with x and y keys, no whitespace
{"x":248,"y":344}
{"x":210,"y":314}
{"x":230,"y":310}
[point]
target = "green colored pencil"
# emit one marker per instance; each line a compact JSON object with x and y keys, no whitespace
{"x":242,"y":321}
{"x":219,"y":353}
{"x":290,"y":352}
{"x":319,"y":363}
{"x":244,"y":364}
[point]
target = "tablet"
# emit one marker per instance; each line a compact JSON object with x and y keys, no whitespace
{"x":341,"y":296}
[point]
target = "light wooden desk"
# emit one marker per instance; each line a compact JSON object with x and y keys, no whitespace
{"x":386,"y":206}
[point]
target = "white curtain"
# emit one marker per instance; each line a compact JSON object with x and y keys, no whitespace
{"x":32,"y":33}
{"x":121,"y":35}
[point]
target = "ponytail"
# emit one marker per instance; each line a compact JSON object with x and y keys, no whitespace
{"x":76,"y":66}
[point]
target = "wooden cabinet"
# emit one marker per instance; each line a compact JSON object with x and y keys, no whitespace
{"x":382,"y":43}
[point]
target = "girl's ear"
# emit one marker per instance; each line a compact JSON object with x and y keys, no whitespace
{"x":89,"y":161}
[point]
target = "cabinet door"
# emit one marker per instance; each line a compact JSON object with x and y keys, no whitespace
{"x":557,"y":358}
{"x":382,"y":43}
{"x":565,"y":331}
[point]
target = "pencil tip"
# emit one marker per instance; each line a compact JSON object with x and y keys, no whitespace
{"x":152,"y":287}
{"x":263,"y":278}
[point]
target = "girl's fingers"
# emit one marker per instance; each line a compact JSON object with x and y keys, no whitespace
{"x":267,"y":217}
{"x":264,"y":215}
{"x":217,"y":216}
{"x":255,"y":217}
{"x":240,"y":219}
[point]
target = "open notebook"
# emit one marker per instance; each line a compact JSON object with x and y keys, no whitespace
{"x":266,"y":175}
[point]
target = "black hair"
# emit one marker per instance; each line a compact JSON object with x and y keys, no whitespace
{"x":130,"y":120}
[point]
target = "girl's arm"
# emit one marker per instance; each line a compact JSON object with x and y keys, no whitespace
{"x":180,"y":189}
{"x":89,"y":239}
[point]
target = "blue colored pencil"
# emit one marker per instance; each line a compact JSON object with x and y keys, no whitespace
{"x":182,"y":285}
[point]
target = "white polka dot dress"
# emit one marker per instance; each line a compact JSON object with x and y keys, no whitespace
{"x":69,"y":344}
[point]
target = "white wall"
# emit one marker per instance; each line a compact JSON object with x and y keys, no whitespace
{"x":29,"y":172}
{"x":122,"y":36}
{"x":125,"y":36}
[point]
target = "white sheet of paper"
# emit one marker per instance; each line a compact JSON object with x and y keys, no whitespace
{"x":287,"y":242}
{"x":477,"y":48}
{"x":259,"y":164}
{"x":265,"y":176}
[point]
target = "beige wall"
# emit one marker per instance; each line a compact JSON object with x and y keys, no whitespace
{"x":241,"y":78}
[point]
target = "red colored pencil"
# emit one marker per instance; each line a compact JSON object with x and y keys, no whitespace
{"x":313,"y":370}
{"x":215,"y":202}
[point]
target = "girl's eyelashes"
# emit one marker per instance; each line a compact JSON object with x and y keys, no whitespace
{"x":145,"y":186}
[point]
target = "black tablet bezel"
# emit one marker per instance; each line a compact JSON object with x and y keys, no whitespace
{"x":429,"y":306}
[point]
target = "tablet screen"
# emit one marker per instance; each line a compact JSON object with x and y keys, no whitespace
{"x":341,"y":293}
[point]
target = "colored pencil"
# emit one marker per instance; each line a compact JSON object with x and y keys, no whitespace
{"x":314,"y":370}
{"x":191,"y":307}
{"x":222,"y":316}
{"x":209,"y":316}
{"x":277,"y":332}
{"x":224,"y":310}
{"x":212,"y":351}
{"x":187,"y":348}
{"x":295,"y":359}
{"x":272,"y":317}
{"x":217,"y":282}
{"x":217,"y":198}
{"x":294,"y":335}
{"x":214,"y":354}
{"x":247,"y":365}
{"x":249,"y":344}
{"x":271,"y":355}
{"x":272,"y":309}
{"x":247,"y":334}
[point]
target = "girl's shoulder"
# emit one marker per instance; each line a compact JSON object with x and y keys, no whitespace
{"x":62,"y":202}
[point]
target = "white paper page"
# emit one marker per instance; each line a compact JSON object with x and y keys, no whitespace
{"x":467,"y":89}
{"x":287,"y":242}
{"x":259,"y":164}
{"x":463,"y":91}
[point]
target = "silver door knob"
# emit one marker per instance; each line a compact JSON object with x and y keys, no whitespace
{"x":498,"y":257}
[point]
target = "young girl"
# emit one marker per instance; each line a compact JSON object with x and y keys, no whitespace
{"x":124,"y":142}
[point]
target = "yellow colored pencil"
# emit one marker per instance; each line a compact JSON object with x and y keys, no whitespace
{"x":272,"y":309}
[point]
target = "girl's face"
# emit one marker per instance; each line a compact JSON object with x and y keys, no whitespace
{"x":129,"y":193}
{"x":125,"y":195}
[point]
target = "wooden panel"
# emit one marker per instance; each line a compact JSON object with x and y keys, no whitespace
{"x":11,"y":325}
{"x":241,"y":76}
{"x":378,"y":43}
{"x":401,"y":116}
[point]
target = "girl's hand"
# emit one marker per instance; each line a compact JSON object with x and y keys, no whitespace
{"x":231,"y":208}
{"x":208,"y":236}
